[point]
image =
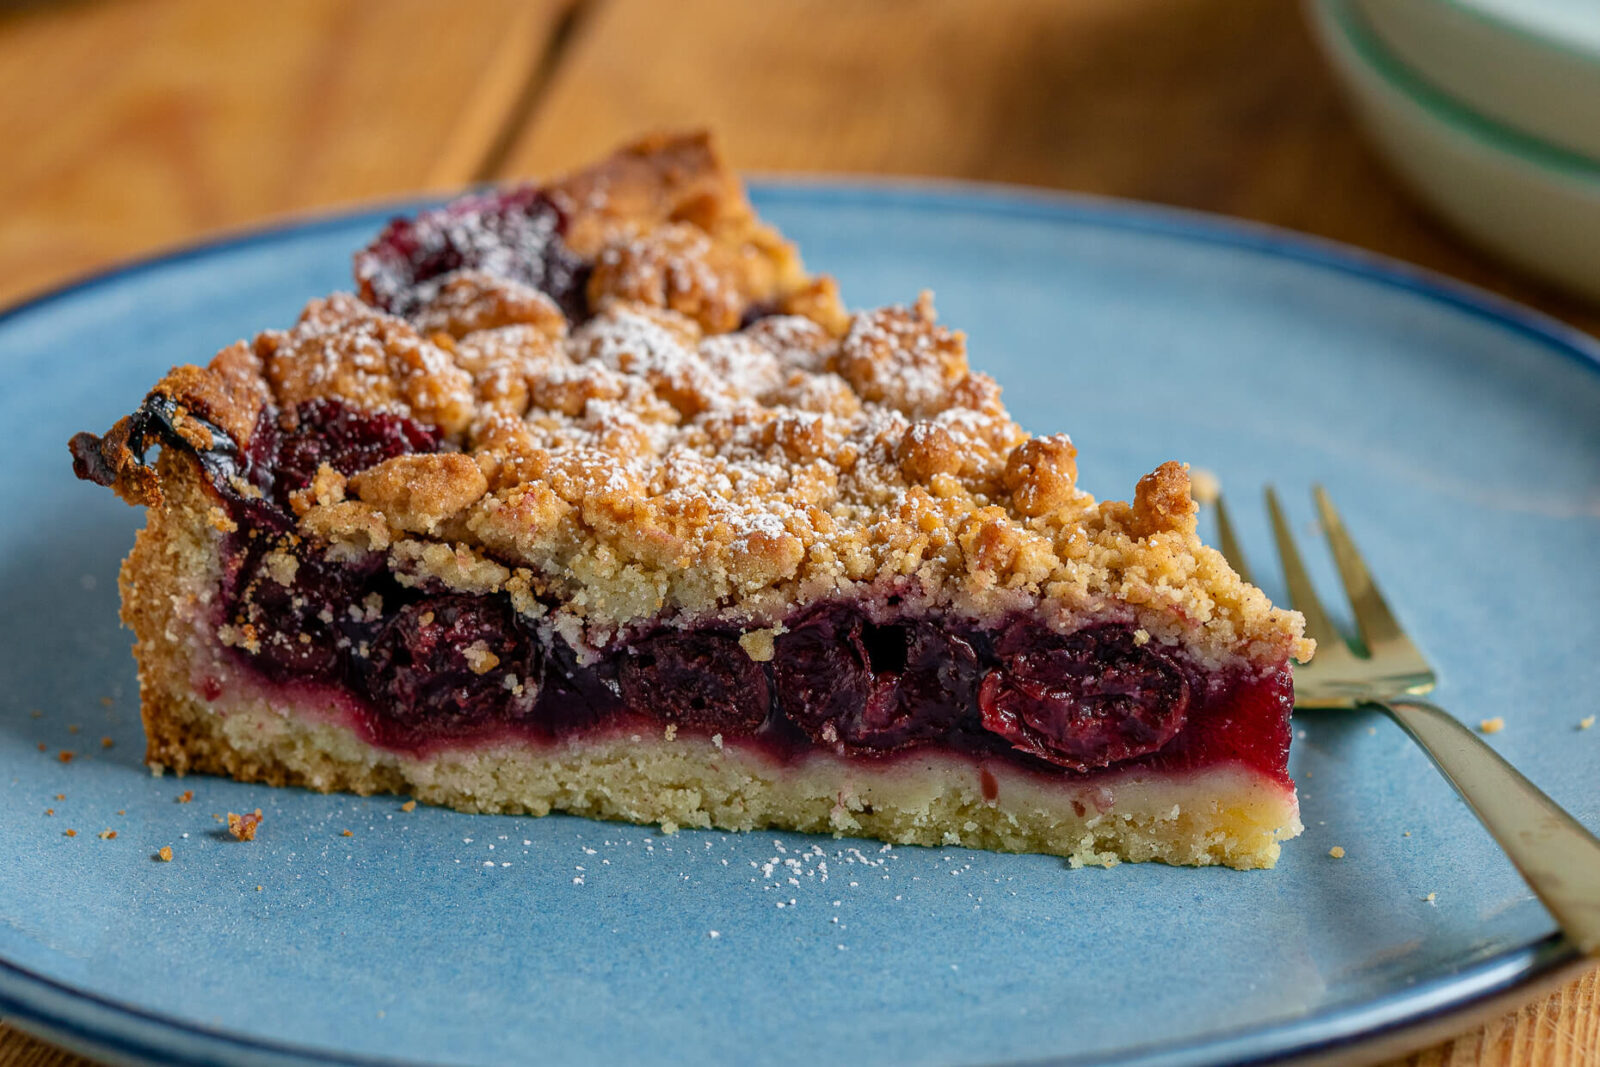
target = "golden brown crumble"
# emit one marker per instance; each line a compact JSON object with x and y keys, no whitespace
{"x":164,"y":853}
{"x":470,"y":301}
{"x":658,"y":459}
{"x":243,"y":827}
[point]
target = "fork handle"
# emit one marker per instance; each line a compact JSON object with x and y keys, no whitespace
{"x":1559,"y":858}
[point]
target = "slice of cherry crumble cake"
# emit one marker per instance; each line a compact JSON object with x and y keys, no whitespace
{"x":592,"y":500}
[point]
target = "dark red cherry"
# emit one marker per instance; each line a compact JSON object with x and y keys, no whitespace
{"x":513,"y":233}
{"x":700,"y":679}
{"x":286,"y":452}
{"x":1084,"y":700}
{"x":449,"y":665}
{"x":844,"y":680}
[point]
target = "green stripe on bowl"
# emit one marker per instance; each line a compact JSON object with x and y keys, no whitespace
{"x":1447,"y":110}
{"x":1544,"y":33}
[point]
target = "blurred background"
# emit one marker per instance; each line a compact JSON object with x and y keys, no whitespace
{"x":1458,"y":135}
{"x":132,"y":125}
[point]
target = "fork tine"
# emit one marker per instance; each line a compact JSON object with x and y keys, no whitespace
{"x":1379,"y":630}
{"x":1231,"y":550}
{"x":1301,"y":592}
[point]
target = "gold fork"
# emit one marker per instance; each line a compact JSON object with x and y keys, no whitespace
{"x":1558,"y":857}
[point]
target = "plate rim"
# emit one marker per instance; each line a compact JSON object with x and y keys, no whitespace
{"x":937,"y":193}
{"x":1473,"y":988}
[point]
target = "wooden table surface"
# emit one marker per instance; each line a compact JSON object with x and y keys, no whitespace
{"x":134,"y":125}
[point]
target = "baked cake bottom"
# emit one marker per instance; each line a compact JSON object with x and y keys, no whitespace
{"x":1224,"y":814}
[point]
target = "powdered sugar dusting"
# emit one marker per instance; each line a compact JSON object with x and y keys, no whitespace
{"x":711,"y":433}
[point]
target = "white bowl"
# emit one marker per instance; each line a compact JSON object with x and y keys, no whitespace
{"x":1535,"y":205}
{"x":1533,"y":65}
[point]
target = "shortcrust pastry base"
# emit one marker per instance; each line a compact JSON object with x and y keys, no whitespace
{"x":1224,"y":815}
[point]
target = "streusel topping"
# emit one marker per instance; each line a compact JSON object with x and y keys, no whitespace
{"x":658,"y":458}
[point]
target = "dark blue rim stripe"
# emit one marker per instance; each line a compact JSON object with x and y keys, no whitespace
{"x":1340,"y":1025}
{"x":1347,"y":1028}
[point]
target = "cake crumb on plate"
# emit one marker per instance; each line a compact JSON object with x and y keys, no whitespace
{"x":243,"y":827}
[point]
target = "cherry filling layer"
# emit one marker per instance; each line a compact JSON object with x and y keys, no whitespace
{"x":425,"y":666}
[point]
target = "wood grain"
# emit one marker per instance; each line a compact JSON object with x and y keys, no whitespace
{"x":146,"y":122}
{"x":18,"y":1049}
{"x":1560,"y":1030}
{"x":1221,"y":105}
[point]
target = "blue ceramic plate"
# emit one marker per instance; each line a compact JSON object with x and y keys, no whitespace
{"x":1460,"y":435}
